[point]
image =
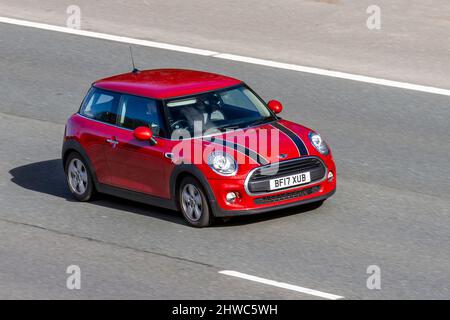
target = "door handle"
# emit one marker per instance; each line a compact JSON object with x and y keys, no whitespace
{"x":168,"y":155}
{"x":113,"y":142}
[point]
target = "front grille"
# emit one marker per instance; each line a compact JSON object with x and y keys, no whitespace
{"x":287,"y":196}
{"x":259,"y":180}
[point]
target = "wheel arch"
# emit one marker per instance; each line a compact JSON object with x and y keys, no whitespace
{"x":183,"y":170}
{"x":70,"y":146}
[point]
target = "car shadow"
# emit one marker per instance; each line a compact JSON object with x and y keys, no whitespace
{"x":44,"y":177}
{"x":272,"y":215}
{"x":48,"y":177}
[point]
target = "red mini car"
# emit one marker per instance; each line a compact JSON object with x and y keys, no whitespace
{"x":198,"y":142}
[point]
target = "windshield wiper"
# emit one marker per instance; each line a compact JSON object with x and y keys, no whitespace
{"x":234,"y":126}
{"x":230,"y":127}
{"x":261,"y":121}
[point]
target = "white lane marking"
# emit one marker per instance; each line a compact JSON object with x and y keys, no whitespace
{"x":226,"y":56}
{"x":281,"y":285}
{"x":105,"y":36}
{"x":335,"y":74}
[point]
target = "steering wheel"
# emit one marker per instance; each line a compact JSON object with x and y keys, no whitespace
{"x":180,"y":124}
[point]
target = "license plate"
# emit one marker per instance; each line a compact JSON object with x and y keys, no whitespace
{"x":289,"y":181}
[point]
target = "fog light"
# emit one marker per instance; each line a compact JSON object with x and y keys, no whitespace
{"x":330,"y":176}
{"x":231,"y":197}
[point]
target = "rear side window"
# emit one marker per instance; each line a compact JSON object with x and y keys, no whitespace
{"x":100,"y":105}
{"x":137,"y":111}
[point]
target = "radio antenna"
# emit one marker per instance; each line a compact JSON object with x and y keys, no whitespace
{"x":135,"y":70}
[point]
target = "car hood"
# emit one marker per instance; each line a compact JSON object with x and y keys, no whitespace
{"x":273,"y":142}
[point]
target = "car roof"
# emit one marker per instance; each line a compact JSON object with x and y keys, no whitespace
{"x":166,"y":83}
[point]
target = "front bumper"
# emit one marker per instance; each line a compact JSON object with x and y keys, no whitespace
{"x":249,"y":203}
{"x":219,"y":212}
{"x":254,"y":204}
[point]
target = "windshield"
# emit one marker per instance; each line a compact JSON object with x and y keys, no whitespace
{"x":232,"y":108}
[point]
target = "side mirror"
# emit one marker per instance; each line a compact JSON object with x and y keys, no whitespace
{"x":144,"y":134}
{"x":275,"y":106}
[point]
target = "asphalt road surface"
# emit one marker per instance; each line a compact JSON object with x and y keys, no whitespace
{"x":391,"y":209}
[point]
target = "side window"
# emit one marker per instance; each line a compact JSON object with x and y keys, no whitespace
{"x":140,"y":112}
{"x":100,"y":105}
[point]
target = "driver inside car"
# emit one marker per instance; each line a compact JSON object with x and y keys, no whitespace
{"x":200,"y":111}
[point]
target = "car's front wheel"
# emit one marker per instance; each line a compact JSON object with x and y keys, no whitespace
{"x":79,"y":178}
{"x":194,"y":203}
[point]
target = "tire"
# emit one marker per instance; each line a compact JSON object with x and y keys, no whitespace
{"x":79,"y":177}
{"x":194,"y":204}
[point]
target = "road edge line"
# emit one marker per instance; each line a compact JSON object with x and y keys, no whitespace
{"x":231,"y":57}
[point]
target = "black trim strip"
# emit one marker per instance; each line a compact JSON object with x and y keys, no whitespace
{"x":302,"y":151}
{"x":240,"y":148}
{"x":137,"y":196}
{"x":218,"y":212}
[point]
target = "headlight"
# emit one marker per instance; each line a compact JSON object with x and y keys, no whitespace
{"x":222,"y":163}
{"x":318,"y":143}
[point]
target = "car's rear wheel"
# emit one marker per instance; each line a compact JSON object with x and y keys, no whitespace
{"x":194,"y":204}
{"x":79,"y":178}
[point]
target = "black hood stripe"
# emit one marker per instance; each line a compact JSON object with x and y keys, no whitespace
{"x":302,"y":150}
{"x":240,"y":148}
